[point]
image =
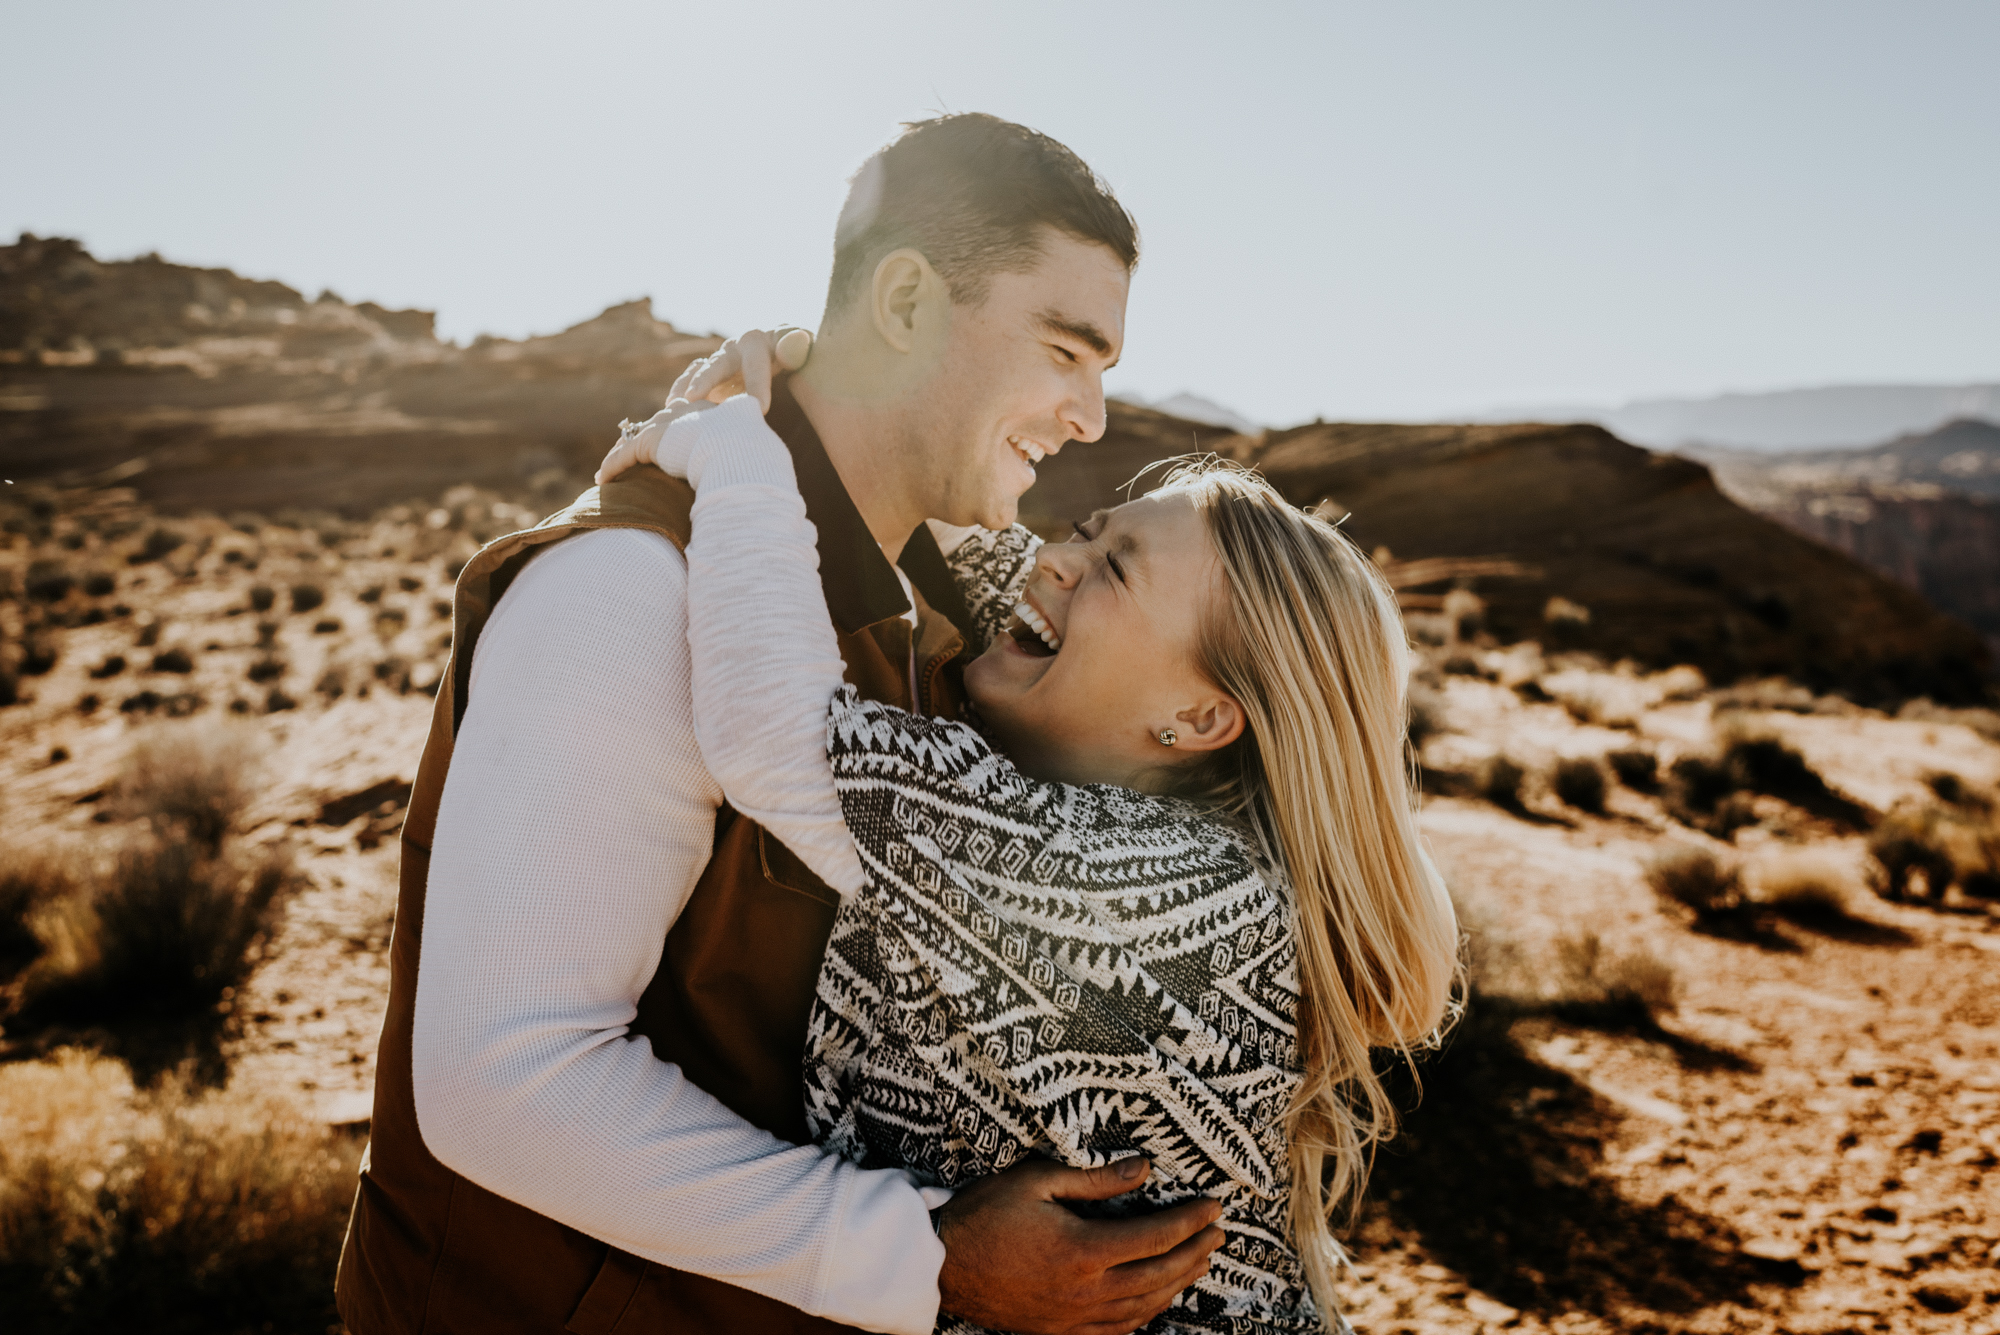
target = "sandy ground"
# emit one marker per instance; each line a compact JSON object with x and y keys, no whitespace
{"x":1805,"y":1143}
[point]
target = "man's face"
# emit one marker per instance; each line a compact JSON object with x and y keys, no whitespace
{"x":1021,"y":374}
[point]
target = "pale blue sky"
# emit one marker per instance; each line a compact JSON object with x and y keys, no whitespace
{"x":1401,"y":210}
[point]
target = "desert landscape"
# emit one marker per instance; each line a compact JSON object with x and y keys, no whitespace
{"x":1719,"y":802}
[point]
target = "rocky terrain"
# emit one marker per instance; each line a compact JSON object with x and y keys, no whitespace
{"x":1768,"y":1102}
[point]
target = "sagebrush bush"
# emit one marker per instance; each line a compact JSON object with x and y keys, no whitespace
{"x":1426,"y":715}
{"x":164,"y":1212}
{"x":1636,"y":768}
{"x":306,"y":597}
{"x":1588,"y":973}
{"x":193,"y":779}
{"x":1804,"y":883}
{"x":1500,"y":780}
{"x":1579,"y":781}
{"x":1696,"y":879}
{"x":262,"y":597}
{"x":170,"y":929}
{"x":1907,"y":845}
{"x":27,"y":883}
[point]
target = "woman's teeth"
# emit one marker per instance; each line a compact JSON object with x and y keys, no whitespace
{"x":1038,"y":624}
{"x":1027,"y":449}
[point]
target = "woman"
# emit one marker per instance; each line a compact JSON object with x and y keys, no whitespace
{"x":1166,"y":896}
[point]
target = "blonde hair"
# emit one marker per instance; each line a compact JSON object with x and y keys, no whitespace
{"x":1311,"y":644}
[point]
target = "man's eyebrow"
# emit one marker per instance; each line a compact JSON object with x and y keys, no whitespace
{"x":1083,"y":331}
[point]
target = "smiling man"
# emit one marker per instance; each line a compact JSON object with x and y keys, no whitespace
{"x":589,"y":1114}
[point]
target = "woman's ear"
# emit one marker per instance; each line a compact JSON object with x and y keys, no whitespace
{"x":1208,"y":726}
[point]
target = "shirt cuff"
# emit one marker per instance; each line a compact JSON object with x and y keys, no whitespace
{"x":882,"y":1271}
{"x":732,"y":446}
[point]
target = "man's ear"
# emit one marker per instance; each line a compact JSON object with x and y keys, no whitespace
{"x":905,"y":284}
{"x":1209,"y":725}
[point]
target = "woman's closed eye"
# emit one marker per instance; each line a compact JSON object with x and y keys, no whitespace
{"x":1109,"y":559}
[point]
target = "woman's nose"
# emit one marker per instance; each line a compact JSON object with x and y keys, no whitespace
{"x":1060,"y":563}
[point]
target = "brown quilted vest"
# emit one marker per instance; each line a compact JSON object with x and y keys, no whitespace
{"x":430,"y":1253}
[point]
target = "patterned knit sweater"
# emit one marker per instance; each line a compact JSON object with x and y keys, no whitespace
{"x":1077,"y":972}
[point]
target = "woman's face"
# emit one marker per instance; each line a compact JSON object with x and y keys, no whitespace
{"x":1124,"y":600}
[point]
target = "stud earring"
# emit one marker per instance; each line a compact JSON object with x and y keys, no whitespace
{"x":1168,"y":737}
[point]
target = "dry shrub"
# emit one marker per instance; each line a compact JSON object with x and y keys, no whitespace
{"x":1697,"y":880}
{"x":1810,"y":884}
{"x":1713,"y":792}
{"x":1427,"y":717}
{"x":262,"y":597}
{"x":171,"y":929}
{"x":1500,"y":780}
{"x":1953,"y":790}
{"x":193,"y":780}
{"x":28,"y":883}
{"x":1579,"y":781}
{"x":1601,"y":702}
{"x":307,"y":597}
{"x":163,"y":1212}
{"x":1909,"y":851}
{"x":1636,"y":768}
{"x":1590,"y":974}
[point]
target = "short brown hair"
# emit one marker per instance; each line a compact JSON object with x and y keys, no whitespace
{"x":971,"y":192}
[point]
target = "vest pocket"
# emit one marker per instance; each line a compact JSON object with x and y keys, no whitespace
{"x":605,"y":1301}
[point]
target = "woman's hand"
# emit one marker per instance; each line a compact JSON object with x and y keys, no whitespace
{"x":742,"y":365}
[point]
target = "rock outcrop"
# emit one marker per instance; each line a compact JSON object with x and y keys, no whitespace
{"x":1923,"y":509}
{"x":204,"y":390}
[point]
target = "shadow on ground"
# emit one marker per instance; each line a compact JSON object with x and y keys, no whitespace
{"x":1499,"y":1174}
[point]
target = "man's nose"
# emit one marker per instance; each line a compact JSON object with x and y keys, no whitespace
{"x":1083,"y":414}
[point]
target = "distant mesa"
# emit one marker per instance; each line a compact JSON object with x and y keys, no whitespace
{"x":203,"y":390}
{"x":1834,"y":417}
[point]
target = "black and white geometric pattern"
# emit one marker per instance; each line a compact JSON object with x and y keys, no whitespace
{"x":991,"y":568}
{"x":1081,"y":973}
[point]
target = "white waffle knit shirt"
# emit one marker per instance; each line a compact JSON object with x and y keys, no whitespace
{"x":576,"y":819}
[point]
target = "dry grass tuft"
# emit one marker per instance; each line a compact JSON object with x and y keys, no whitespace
{"x":1427,"y":716}
{"x":1500,"y":780}
{"x":172,"y":929}
{"x":1579,"y":781}
{"x":1697,"y":880}
{"x":165,"y":1211}
{"x":1810,"y":884}
{"x":1636,"y":768}
{"x":192,"y":780}
{"x":1592,"y":975}
{"x":1910,"y":855}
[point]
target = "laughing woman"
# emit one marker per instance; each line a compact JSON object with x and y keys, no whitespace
{"x":1165,"y":898}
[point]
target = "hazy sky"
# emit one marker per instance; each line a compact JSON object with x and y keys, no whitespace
{"x":1382,"y":210}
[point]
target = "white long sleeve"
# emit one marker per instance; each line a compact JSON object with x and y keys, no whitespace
{"x":766,"y":658}
{"x":575,"y":820}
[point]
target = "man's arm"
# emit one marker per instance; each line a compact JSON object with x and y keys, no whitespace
{"x":575,"y":821}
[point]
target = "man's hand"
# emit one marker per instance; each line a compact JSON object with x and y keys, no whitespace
{"x":1016,"y":1259}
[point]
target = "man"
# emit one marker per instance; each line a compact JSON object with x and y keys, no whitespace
{"x":588,"y":1113}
